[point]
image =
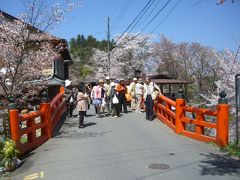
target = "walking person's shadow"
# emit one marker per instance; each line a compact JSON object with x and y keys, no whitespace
{"x":89,"y":124}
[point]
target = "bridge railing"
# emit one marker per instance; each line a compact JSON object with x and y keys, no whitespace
{"x":33,"y":129}
{"x":174,"y":115}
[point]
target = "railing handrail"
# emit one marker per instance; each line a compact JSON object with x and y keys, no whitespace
{"x":55,"y":99}
{"x":46,"y":124}
{"x":168,"y":100}
{"x":200,"y":110}
{"x":177,"y":119}
{"x":30,"y":115}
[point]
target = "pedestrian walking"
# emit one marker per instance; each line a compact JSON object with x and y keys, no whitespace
{"x":97,"y":95}
{"x":69,"y":97}
{"x":122,"y":90}
{"x":150,"y":89}
{"x":114,"y":100}
{"x":88,"y":90}
{"x":132,"y":93}
{"x":139,"y":88}
{"x":82,"y":105}
{"x":107,"y":86}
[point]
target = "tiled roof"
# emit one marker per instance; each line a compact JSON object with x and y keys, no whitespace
{"x":171,"y":81}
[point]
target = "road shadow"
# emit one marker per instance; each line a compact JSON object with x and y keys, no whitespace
{"x":90,"y":115}
{"x":89,"y":124}
{"x":215,"y":164}
{"x":80,"y":133}
{"x":60,"y":124}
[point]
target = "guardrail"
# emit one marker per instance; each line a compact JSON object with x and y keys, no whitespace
{"x":33,"y":129}
{"x":173,"y":114}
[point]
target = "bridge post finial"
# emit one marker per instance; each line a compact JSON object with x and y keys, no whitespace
{"x":12,"y":104}
{"x":181,"y":94}
{"x":222,"y":99}
{"x":44,"y":97}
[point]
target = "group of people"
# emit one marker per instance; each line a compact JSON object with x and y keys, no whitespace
{"x":112,"y":96}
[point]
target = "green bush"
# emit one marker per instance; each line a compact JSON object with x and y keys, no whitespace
{"x":9,"y":150}
{"x":233,"y":149}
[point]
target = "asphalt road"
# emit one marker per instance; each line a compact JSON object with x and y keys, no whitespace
{"x":125,"y":148}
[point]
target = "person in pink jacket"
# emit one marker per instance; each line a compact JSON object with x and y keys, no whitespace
{"x":82,"y":105}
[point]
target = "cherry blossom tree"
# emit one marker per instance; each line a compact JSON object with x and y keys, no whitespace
{"x":229,"y":65}
{"x":26,"y":46}
{"x":99,"y":60}
{"x":130,"y":54}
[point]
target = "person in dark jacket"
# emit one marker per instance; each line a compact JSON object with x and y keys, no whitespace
{"x":122,"y":90}
{"x":70,"y":97}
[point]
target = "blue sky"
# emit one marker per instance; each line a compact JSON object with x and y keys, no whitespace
{"x":202,"y":21}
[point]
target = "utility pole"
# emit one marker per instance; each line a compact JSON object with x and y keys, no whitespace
{"x":108,"y":45}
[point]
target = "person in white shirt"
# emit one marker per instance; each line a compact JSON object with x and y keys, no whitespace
{"x":107,"y":86}
{"x":139,"y":95}
{"x":132,"y":93}
{"x":149,"y":96}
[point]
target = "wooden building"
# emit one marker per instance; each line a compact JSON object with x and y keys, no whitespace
{"x":60,"y":71}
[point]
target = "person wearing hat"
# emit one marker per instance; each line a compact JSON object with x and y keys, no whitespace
{"x":139,"y":95}
{"x":107,"y":86}
{"x":97,"y":95}
{"x":122,"y":90}
{"x":69,"y":96}
{"x":114,"y":99}
{"x":132,"y":93}
{"x":150,"y":89}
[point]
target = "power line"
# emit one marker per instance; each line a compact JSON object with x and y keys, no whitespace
{"x":165,"y":17}
{"x":133,"y":21}
{"x":100,"y":22}
{"x":122,"y":11}
{"x":235,"y":58}
{"x":142,"y":15}
{"x":156,"y":15}
{"x":150,"y":12}
{"x":153,"y":18}
{"x":106,"y":12}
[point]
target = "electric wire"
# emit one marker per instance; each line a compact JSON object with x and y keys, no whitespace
{"x":165,"y":17}
{"x":150,"y":12}
{"x":165,"y":5}
{"x":156,"y":15}
{"x":133,"y":21}
{"x":141,"y":16}
{"x":122,"y":12}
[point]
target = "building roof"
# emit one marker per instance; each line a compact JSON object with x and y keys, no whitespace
{"x":161,"y":79}
{"x":171,"y":81}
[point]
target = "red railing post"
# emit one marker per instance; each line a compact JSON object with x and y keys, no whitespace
{"x":222,"y":124}
{"x":14,"y":126}
{"x":62,"y":89}
{"x":199,"y":129}
{"x":47,"y":118}
{"x":180,"y":113}
{"x":222,"y":120}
